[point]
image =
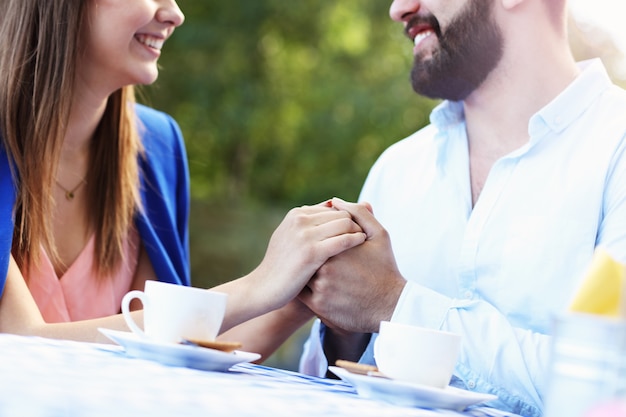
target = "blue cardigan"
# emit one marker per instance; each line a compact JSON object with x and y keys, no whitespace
{"x":163,"y":225}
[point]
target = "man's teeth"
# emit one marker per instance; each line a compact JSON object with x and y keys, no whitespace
{"x":421,"y":36}
{"x":151,"y":41}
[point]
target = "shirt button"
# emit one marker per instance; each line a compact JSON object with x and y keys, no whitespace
{"x":468,"y":294}
{"x":471,"y":385}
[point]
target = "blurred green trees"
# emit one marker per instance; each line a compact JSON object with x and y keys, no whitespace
{"x":281,"y":104}
{"x":288,"y":102}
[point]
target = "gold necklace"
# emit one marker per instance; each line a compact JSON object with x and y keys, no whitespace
{"x":70,"y":194}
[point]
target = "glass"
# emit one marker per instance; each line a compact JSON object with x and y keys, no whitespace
{"x":587,"y":364}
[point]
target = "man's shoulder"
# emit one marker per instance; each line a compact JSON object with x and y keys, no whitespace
{"x":419,"y":141}
{"x":606,"y":114}
{"x":614,"y":96}
{"x":414,"y":153}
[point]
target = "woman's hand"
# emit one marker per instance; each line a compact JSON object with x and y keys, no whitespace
{"x":306,"y":238}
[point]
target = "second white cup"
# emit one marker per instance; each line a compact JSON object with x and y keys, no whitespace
{"x":172,"y":312}
{"x":416,"y":354}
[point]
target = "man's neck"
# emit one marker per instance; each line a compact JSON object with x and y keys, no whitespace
{"x":497,"y":114}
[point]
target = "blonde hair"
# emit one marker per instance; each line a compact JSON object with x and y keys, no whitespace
{"x":39,"y":51}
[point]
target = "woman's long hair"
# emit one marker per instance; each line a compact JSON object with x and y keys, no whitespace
{"x":40,"y":46}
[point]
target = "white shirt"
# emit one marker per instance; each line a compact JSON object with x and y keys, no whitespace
{"x":498,"y":273}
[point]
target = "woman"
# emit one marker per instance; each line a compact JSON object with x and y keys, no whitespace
{"x":95,"y":187}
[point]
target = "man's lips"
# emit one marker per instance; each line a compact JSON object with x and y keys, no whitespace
{"x":413,"y":30}
{"x":419,"y":33}
{"x":420,"y":28}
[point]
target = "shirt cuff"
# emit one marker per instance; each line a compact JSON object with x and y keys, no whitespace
{"x":420,"y":306}
{"x":313,"y":360}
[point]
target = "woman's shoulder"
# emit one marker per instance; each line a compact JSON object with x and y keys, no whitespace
{"x":158,"y":130}
{"x":153,"y":120}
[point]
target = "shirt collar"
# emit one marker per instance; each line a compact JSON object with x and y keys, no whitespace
{"x":555,"y":116}
{"x":573,"y":101}
{"x":448,"y":118}
{"x":446,"y":114}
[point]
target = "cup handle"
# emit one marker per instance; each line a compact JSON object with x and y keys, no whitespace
{"x":128,"y":318}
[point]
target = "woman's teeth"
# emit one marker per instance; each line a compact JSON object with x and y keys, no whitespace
{"x":150,"y":41}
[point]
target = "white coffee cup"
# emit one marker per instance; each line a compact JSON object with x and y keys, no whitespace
{"x":174,"y":312}
{"x":416,"y":354}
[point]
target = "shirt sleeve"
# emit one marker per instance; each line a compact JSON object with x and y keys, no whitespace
{"x":480,"y":364}
{"x":498,"y":359}
{"x":612,"y":230}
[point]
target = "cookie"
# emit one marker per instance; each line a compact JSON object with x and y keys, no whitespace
{"x":214,"y":344}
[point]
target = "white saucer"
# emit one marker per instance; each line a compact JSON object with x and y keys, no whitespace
{"x":175,"y":354}
{"x":409,"y":394}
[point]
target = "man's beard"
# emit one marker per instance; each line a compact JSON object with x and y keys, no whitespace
{"x":468,"y":51}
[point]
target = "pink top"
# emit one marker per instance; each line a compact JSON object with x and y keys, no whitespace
{"x":77,"y":295}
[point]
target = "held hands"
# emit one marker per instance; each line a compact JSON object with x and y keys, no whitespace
{"x":306,"y":238}
{"x":357,"y":288}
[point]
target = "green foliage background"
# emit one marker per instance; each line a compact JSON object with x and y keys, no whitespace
{"x":286,"y":102}
{"x":281,"y":104}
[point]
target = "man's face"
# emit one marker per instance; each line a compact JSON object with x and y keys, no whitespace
{"x":466,"y":51}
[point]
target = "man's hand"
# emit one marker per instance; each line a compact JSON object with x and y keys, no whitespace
{"x":357,"y":289}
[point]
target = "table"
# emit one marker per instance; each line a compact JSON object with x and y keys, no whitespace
{"x":56,"y":378}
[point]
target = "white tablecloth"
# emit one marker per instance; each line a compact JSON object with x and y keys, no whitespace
{"x":52,"y":378}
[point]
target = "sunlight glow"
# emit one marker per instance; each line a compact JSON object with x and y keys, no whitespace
{"x":608,"y":15}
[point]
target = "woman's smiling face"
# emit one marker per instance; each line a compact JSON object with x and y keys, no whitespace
{"x":123,"y":41}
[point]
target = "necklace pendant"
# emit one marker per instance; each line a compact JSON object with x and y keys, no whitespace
{"x":70,"y":194}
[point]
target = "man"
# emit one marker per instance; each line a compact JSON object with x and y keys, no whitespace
{"x":491,"y":213}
